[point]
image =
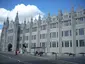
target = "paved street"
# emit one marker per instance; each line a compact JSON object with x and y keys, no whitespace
{"x":10,"y":58}
{"x":6,"y":58}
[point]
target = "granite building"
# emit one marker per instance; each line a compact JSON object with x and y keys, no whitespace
{"x":64,"y":33}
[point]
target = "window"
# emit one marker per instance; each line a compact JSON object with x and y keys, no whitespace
{"x":66,"y":43}
{"x":50,"y":44}
{"x":42,"y":36}
{"x":57,"y":34}
{"x":70,"y":33}
{"x":33,"y":44}
{"x":62,"y":44}
{"x":76,"y":43}
{"x":43,"y":44}
{"x":40,"y":44}
{"x":81,"y":31}
{"x":66,"y":23}
{"x":53,"y":25}
{"x":43,"y":27}
{"x":26,"y":37}
{"x":66,"y":33}
{"x":27,"y":30}
{"x":57,"y":44}
{"x":33,"y":37}
{"x":53,"y":44}
{"x":70,"y":43}
{"x":62,"y":33}
{"x":82,"y":43}
{"x":53,"y":35}
{"x":76,"y":31}
{"x":34,"y":29}
{"x":80,"y":19}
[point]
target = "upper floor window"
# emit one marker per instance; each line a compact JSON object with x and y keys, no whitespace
{"x":27,"y":30}
{"x":53,"y":25}
{"x":42,"y":36}
{"x":34,"y":29}
{"x":76,"y":31}
{"x":10,"y":31}
{"x":81,"y":31}
{"x":76,"y":43}
{"x":67,"y":23}
{"x":53,"y":35}
{"x":62,"y":33}
{"x":43,"y":27}
{"x":66,"y":33}
{"x":62,"y":44}
{"x":33,"y":37}
{"x":70,"y":33}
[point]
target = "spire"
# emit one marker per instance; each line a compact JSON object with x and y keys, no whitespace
{"x":39,"y":18}
{"x":31,"y":19}
{"x":72,"y":9}
{"x":48,"y":14}
{"x":7,"y":22}
{"x":25,"y":21}
{"x":60,"y":12}
{"x":17,"y":18}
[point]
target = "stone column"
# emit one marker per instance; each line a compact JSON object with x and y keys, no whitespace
{"x":73,"y":22}
{"x":60,"y":38}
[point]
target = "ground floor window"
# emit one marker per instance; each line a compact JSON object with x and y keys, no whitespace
{"x":66,"y":43}
{"x":53,"y":44}
{"x":82,"y":43}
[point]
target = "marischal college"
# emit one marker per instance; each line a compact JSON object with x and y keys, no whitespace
{"x":64,"y":33}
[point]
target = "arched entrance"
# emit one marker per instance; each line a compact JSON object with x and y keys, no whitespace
{"x":9,"y":47}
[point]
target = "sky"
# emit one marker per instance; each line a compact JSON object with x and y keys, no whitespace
{"x":32,"y":8}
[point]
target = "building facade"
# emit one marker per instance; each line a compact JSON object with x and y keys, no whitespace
{"x":61,"y":34}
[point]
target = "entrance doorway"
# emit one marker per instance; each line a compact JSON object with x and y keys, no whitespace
{"x":9,"y":47}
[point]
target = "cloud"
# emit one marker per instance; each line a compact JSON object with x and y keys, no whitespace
{"x":25,"y":13}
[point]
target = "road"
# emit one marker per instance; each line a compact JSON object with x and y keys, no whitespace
{"x":78,"y":60}
{"x":6,"y":58}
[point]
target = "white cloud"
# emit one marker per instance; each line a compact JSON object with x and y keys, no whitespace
{"x":25,"y":12}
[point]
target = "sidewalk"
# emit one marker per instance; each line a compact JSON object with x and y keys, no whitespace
{"x":51,"y":58}
{"x":45,"y":57}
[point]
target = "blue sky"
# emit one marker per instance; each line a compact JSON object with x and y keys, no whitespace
{"x":45,"y":6}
